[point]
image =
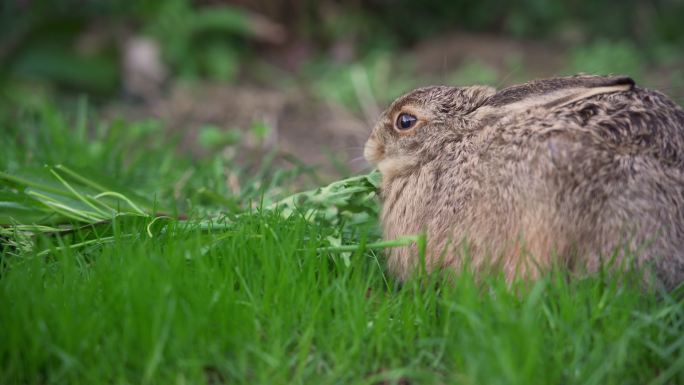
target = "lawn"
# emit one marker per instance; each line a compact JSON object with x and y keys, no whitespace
{"x":125,"y":262}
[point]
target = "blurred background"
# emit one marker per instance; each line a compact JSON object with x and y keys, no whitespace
{"x":308,"y":78}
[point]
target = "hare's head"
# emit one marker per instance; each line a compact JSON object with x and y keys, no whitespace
{"x":417,"y":126}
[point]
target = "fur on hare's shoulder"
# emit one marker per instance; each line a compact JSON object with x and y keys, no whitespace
{"x":566,"y":171}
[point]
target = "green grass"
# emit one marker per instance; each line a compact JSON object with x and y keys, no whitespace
{"x":245,"y":291}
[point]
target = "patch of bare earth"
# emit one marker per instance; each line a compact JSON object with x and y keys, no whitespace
{"x":300,"y":124}
{"x":313,"y":128}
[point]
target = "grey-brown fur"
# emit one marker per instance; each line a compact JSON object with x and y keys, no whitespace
{"x":570,"y":167}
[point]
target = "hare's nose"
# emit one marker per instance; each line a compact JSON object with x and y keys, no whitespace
{"x":373,"y":151}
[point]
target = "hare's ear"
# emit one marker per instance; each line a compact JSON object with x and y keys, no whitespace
{"x":552,"y":93}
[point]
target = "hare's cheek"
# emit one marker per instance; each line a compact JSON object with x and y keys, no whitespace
{"x":373,"y":151}
{"x":395,"y":166}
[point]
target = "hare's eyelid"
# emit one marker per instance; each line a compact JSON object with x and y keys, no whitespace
{"x":421,"y":120}
{"x":407,"y":109}
{"x":419,"y":113}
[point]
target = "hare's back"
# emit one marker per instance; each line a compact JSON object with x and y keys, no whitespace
{"x":638,"y":122}
{"x":610,"y":172}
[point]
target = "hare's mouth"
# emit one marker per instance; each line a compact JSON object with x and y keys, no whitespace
{"x":389,"y":166}
{"x":373,"y":151}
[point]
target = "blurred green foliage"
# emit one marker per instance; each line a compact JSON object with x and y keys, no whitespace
{"x":77,"y":44}
{"x":647,"y":22}
{"x":605,"y":57}
{"x":474,"y":71}
{"x":200,"y":41}
{"x":376,"y":80}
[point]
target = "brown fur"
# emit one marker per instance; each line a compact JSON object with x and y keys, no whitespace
{"x":573,"y":167}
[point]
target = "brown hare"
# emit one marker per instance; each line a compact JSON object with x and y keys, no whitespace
{"x":567,"y":171}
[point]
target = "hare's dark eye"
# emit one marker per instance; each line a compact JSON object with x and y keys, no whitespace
{"x":406,"y":121}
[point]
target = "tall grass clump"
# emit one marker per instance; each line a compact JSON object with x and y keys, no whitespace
{"x":115,"y":268}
